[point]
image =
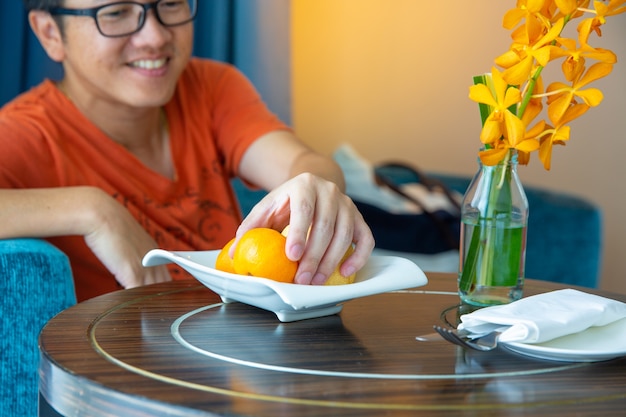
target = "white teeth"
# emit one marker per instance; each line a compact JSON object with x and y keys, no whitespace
{"x":149,"y":64}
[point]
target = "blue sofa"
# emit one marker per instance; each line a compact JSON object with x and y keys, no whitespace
{"x":564,"y":238}
{"x":564,"y":245}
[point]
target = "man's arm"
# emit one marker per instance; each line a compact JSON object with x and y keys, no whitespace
{"x":279,"y":156}
{"x":109,"y":229}
{"x":306,"y":192}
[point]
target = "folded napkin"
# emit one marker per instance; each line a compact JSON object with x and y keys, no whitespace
{"x":544,"y":317}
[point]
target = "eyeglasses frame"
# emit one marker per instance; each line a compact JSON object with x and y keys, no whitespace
{"x":93,"y":13}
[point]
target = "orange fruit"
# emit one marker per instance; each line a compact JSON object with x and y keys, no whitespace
{"x":261,"y":253}
{"x":335,"y":278}
{"x":224,"y":262}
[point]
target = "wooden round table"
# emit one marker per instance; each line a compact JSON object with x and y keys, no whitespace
{"x":174,"y":349}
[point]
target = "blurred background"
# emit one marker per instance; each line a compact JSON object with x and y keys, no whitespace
{"x":391,"y":79}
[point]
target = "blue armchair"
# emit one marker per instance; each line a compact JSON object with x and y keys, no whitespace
{"x":35,"y":284}
{"x":36,"y":280}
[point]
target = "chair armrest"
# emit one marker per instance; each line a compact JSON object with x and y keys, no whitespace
{"x":36,"y":284}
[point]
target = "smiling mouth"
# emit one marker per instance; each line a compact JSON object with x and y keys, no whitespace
{"x":149,"y":64}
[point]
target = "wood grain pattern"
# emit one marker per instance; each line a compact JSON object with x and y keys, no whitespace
{"x":174,"y":350}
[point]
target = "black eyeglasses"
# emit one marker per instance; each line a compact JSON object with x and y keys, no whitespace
{"x":127,"y":17}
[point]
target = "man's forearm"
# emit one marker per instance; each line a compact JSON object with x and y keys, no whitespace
{"x":320,"y":166}
{"x":47,"y":212}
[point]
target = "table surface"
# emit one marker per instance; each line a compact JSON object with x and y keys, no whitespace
{"x":174,"y":349}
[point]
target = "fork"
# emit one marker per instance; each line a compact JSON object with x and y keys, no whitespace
{"x":482,"y":343}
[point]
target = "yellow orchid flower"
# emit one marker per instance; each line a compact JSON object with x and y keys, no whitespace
{"x":572,"y":113}
{"x":520,"y":71}
{"x":560,"y":134}
{"x":567,"y":6}
{"x":574,"y":63}
{"x":498,"y":152}
{"x":560,"y":95}
{"x":493,"y":156}
{"x":557,"y":137}
{"x":516,"y":95}
{"x":615,"y":7}
{"x":569,"y":9}
{"x":501,"y":139}
{"x":524,"y":9}
{"x":535,"y":25}
{"x":501,"y":121}
{"x":602,"y":11}
{"x":530,"y":142}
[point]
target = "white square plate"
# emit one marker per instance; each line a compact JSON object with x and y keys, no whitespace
{"x":291,"y":302}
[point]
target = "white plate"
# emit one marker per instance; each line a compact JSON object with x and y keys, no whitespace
{"x":592,"y":345}
{"x":292,"y":302}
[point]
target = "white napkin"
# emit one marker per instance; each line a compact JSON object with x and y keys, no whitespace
{"x":544,"y":317}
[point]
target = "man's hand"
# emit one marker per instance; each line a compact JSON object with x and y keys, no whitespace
{"x":307,"y":201}
{"x":120,"y":243}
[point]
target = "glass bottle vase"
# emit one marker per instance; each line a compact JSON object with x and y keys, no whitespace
{"x":494,"y":216}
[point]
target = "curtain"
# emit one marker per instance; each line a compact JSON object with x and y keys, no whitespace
{"x":262,"y":49}
{"x":251,"y":34}
{"x":23,"y":63}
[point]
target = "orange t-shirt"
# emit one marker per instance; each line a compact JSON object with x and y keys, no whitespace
{"x":214,"y":115}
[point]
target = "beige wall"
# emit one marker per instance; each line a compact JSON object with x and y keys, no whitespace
{"x":391,"y":78}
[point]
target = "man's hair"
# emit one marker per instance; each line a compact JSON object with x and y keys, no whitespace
{"x":42,"y":4}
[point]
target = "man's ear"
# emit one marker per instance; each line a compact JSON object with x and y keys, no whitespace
{"x":48,"y":33}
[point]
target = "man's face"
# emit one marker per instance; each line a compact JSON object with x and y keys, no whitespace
{"x":138,"y":70}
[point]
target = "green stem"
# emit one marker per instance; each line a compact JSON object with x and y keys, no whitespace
{"x":492,"y":254}
{"x":496,"y":183}
{"x":529,"y":92}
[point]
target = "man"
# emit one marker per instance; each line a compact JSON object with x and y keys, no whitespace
{"x":134,"y":149}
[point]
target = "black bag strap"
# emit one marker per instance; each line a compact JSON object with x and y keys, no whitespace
{"x":431,"y":184}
